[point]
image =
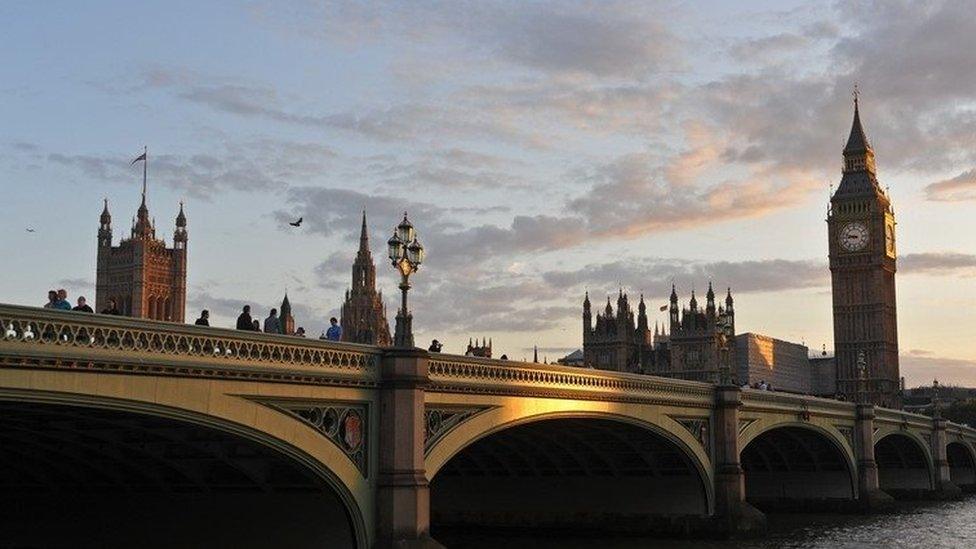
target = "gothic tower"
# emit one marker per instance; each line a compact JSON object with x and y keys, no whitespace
{"x":286,"y":318}
{"x":861,"y":231}
{"x":363,"y":314}
{"x":144,"y":277}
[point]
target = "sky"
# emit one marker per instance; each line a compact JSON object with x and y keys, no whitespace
{"x":542,"y":149}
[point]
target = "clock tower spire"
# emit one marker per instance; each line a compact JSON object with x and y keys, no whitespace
{"x":861,"y":231}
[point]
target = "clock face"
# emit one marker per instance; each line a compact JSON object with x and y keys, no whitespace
{"x":854,"y":237}
{"x":890,"y":239}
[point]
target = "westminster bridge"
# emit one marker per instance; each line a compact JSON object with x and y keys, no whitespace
{"x":114,"y":425}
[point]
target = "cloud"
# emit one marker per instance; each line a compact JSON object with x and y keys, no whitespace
{"x":937,"y":263}
{"x":955,"y":189}
{"x":655,"y":275}
{"x":622,"y":38}
{"x":645,"y":202}
{"x":260,"y":165}
{"x":767,"y":48}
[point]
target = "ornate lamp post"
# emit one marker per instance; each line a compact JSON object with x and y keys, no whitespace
{"x":406,"y":255}
{"x":936,"y":401}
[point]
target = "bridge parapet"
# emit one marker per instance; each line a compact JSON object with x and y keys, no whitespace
{"x":770,"y":401}
{"x":457,"y":374}
{"x":45,"y":338}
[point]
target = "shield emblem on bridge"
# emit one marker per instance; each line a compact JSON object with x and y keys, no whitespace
{"x":352,"y":431}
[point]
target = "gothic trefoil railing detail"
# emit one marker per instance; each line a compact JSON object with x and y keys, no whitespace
{"x":102,"y":339}
{"x":440,"y":420}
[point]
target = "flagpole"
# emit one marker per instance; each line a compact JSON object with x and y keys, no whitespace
{"x":145,"y":171}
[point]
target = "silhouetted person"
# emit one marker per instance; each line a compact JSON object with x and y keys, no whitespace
{"x":82,"y":306}
{"x":62,"y":302}
{"x":256,"y":325}
{"x":335,"y":331}
{"x":52,"y":299}
{"x":271,"y":324}
{"x":435,"y":346}
{"x":204,"y":319}
{"x":111,"y":308}
{"x":300,"y":332}
{"x":244,"y":321}
{"x":504,"y":357}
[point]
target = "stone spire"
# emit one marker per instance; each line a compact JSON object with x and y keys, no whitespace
{"x":858,"y":153}
{"x":363,"y":313}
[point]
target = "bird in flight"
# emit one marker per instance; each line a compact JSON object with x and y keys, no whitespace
{"x":30,"y":229}
{"x":296,"y":223}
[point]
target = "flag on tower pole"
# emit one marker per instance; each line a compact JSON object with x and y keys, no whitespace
{"x":145,"y":169}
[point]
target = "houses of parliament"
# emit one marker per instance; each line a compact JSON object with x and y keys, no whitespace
{"x":695,"y":343}
{"x":146,"y":278}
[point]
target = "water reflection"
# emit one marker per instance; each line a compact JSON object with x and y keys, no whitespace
{"x":914,"y":525}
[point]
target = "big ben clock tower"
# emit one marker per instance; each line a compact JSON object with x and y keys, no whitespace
{"x":861,"y":228}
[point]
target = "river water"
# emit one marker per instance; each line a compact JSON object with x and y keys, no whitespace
{"x":914,"y":525}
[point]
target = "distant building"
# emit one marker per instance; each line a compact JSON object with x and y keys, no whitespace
{"x":823,"y":374}
{"x":691,"y":348}
{"x":616,"y":342}
{"x":144,"y":277}
{"x":572,"y":359}
{"x":474,"y":349}
{"x":698,"y":339}
{"x":286,"y":319}
{"x":363,"y":313}
{"x":785,"y":366}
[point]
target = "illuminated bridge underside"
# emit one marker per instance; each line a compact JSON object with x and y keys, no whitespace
{"x":566,"y":471}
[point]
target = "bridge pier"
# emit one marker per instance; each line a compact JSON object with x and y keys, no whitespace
{"x":733,"y":514}
{"x":870,"y":497}
{"x":943,"y":486}
{"x":403,"y":494}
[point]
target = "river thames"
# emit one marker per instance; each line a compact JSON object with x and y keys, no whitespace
{"x":913,"y":525}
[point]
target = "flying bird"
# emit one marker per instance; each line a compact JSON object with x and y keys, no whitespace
{"x":296,"y":223}
{"x":30,"y":230}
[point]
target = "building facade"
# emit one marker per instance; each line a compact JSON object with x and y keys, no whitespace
{"x":692,"y":345}
{"x":784,"y":365}
{"x":701,"y":341}
{"x":861,"y":231}
{"x":618,"y":341}
{"x":363,"y":313}
{"x":482,"y":350}
{"x":144,"y":277}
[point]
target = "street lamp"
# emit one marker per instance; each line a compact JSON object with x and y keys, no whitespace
{"x":406,"y":255}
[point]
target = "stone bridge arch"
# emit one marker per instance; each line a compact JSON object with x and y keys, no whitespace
{"x":797,"y":463}
{"x":500,"y":419}
{"x":962,"y":464}
{"x":230,"y":407}
{"x":906,"y":467}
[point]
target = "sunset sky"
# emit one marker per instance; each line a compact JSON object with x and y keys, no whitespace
{"x":541,"y":149}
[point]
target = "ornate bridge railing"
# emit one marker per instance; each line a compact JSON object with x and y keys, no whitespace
{"x":45,"y":338}
{"x":457,"y":374}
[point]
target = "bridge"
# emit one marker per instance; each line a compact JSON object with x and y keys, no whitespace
{"x":250,"y":437}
